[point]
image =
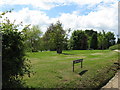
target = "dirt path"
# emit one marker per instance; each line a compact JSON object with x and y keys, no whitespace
{"x":114,"y":83}
{"x":117,"y":50}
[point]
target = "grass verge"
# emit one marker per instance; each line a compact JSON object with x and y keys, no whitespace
{"x":55,"y":70}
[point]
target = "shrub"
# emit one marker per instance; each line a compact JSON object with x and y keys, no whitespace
{"x":115,"y":47}
{"x":14,"y":63}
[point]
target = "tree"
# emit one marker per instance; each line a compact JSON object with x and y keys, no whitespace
{"x":94,"y":41}
{"x":33,"y":38}
{"x":89,"y":34}
{"x":48,"y":38}
{"x":102,"y":40}
{"x":59,"y":37}
{"x":105,"y":40}
{"x":41,"y":44}
{"x":55,"y":37}
{"x":110,"y":39}
{"x":118,"y":41}
{"x":78,"y":40}
{"x":14,"y":63}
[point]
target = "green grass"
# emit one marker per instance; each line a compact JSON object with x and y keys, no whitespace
{"x":55,"y":70}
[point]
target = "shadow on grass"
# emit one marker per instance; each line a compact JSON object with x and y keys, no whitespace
{"x":67,"y":54}
{"x":83,"y":72}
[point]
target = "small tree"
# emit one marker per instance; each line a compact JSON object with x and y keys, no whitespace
{"x":89,"y":34}
{"x":14,"y":63}
{"x":54,"y":37}
{"x":102,"y":40}
{"x":110,"y":39}
{"x":94,"y":41}
{"x":33,"y":38}
{"x":48,"y":39}
{"x":59,"y":37}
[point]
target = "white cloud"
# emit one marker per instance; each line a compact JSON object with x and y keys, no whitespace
{"x":32,"y":17}
{"x":1,"y":2}
{"x":41,"y":4}
{"x":105,"y":17}
{"x":83,"y":2}
{"x":48,"y":4}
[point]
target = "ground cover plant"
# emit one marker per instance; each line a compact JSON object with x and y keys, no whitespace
{"x":52,"y":70}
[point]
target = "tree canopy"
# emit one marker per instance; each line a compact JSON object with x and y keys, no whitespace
{"x":78,"y":40}
{"x":54,"y":37}
{"x":94,"y":41}
{"x":33,"y":38}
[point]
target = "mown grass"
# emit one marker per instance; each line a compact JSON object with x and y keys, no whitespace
{"x":54,"y":70}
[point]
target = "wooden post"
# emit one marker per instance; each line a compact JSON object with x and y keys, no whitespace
{"x":81,"y":64}
{"x":73,"y":66}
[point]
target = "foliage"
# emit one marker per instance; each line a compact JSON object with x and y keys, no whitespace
{"x":105,"y":40}
{"x":118,"y":41}
{"x":54,"y":37}
{"x":91,"y":39}
{"x":33,"y":40}
{"x":89,"y":34}
{"x":115,"y":47}
{"x":94,"y":41}
{"x":78,"y":40}
{"x":41,"y":44}
{"x":110,"y":39}
{"x":48,"y":38}
{"x":14,"y":63}
{"x":102,"y":41}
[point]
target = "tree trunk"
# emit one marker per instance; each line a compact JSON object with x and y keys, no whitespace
{"x":59,"y":50}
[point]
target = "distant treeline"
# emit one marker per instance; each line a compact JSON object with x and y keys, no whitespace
{"x":56,"y":39}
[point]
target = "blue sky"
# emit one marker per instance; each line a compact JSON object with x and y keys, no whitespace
{"x":74,"y":14}
{"x":53,"y":12}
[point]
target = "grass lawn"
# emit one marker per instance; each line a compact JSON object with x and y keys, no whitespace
{"x":54,"y":70}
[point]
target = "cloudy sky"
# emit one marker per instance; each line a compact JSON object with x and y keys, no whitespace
{"x":74,"y":14}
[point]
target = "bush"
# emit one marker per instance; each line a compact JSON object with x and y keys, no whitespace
{"x":14,"y":63}
{"x":115,"y":47}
